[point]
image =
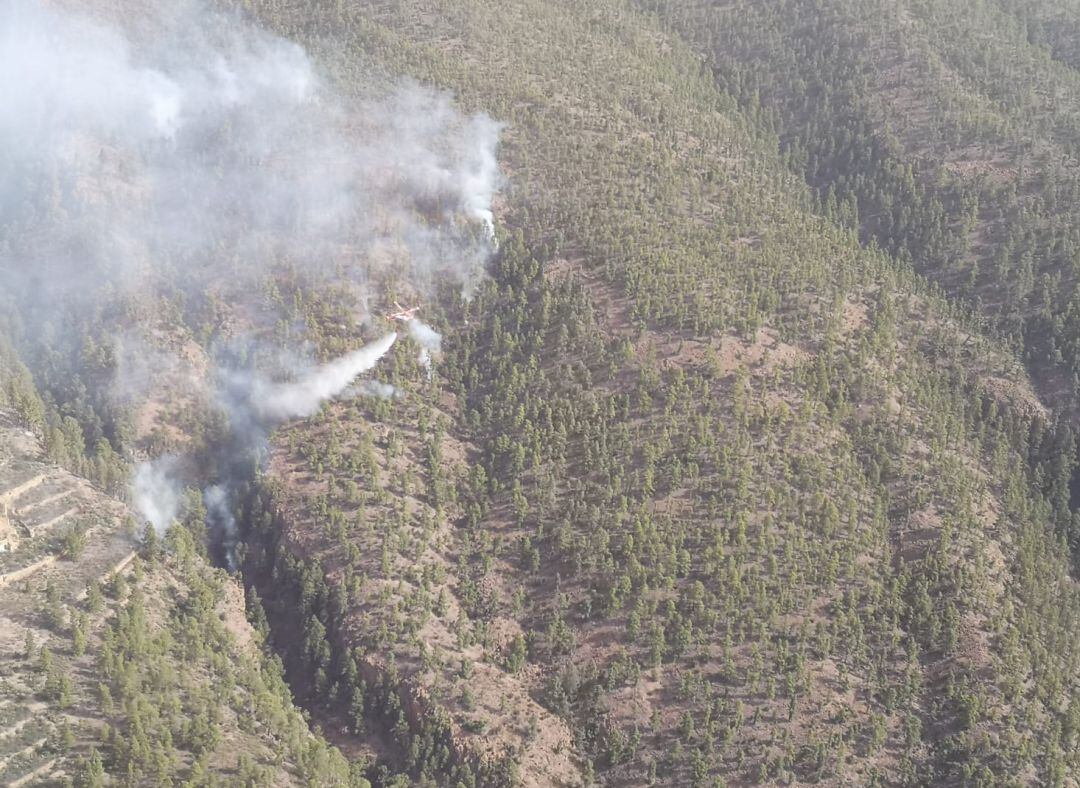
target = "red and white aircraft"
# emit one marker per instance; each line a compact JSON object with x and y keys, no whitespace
{"x":402,"y":314}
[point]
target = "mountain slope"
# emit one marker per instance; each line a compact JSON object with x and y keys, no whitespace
{"x":117,"y":660}
{"x":947,"y":135}
{"x":762,"y":507}
{"x":731,"y":471}
{"x":123,"y":656}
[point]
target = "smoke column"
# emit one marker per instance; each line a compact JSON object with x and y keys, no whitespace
{"x":254,"y":406}
{"x":429,"y":340}
{"x":277,"y":402}
{"x":157,"y":491}
{"x":188,"y":163}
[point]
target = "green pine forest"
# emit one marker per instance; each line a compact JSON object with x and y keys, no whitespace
{"x":752,"y":461}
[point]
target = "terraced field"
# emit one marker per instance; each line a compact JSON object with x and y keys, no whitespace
{"x":40,"y":504}
{"x":87,"y":620}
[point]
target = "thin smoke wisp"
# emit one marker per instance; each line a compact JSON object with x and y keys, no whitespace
{"x":374,"y":388}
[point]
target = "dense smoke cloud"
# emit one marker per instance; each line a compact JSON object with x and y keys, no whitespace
{"x":213,"y":147}
{"x":204,"y":154}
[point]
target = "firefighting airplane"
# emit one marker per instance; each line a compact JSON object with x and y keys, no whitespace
{"x":402,"y":314}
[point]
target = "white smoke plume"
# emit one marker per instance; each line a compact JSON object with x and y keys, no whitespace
{"x":157,"y":484}
{"x":156,"y":491}
{"x":145,"y":171}
{"x":210,"y":147}
{"x":429,"y":340}
{"x":482,"y":175}
{"x":281,"y":401}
